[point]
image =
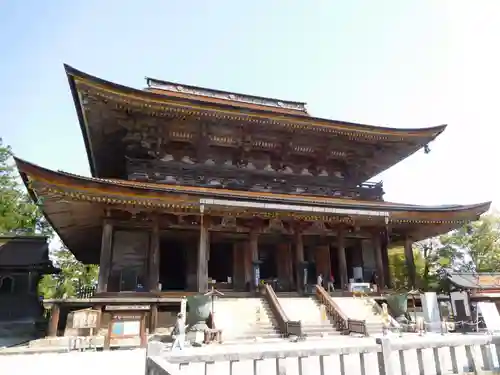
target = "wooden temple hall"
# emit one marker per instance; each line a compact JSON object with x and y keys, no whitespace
{"x":193,"y":186}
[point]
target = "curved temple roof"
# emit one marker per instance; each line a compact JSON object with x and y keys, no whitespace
{"x":191,"y":100}
{"x":66,"y":201}
{"x":154,"y":190}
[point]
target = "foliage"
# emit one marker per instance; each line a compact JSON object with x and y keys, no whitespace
{"x":475,"y":247}
{"x":398,"y":269}
{"x":73,"y":275}
{"x":18,"y":214}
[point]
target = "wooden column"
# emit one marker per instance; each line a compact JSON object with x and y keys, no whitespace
{"x":377,"y":247}
{"x":153,"y":318}
{"x":203,"y":249}
{"x":154,"y":258}
{"x":106,"y":254}
{"x":283,"y":264}
{"x":322,"y":260}
{"x":54,"y":320}
{"x":299,"y":260}
{"x":253,"y":246}
{"x":341,"y":258}
{"x":410,"y":262}
{"x":289,"y":264}
{"x":247,"y":263}
{"x":238,"y":266}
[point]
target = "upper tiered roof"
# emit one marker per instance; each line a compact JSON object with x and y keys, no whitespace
{"x":165,"y":110}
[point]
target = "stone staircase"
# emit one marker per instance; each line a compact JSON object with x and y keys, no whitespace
{"x":307,"y":310}
{"x":361,"y":308}
{"x":244,"y":319}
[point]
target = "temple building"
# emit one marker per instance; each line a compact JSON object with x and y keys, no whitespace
{"x":23,"y":262}
{"x":192,"y":186}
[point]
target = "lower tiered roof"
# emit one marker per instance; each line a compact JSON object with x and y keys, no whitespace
{"x":76,"y":205}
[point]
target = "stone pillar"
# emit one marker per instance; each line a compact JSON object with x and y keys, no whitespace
{"x":377,"y":247}
{"x":105,"y":259}
{"x":54,"y":320}
{"x":203,"y":249}
{"x":341,"y":259}
{"x":299,"y":261}
{"x":154,"y":260}
{"x":410,"y":262}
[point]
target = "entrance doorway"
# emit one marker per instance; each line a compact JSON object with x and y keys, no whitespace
{"x":334,"y":266}
{"x":220,"y":264}
{"x":173,"y":265}
{"x":268,"y":266}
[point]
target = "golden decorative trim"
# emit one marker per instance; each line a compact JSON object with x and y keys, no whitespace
{"x":228,"y":114}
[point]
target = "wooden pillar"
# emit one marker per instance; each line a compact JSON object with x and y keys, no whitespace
{"x":54,"y":320}
{"x":322,"y":260}
{"x":106,"y":254}
{"x":253,"y":246}
{"x":341,"y":258}
{"x":153,"y":318}
{"x":410,"y":262}
{"x":283,"y":264}
{"x":247,"y":263}
{"x":154,"y":259}
{"x":239,"y":267}
{"x":202,"y":272}
{"x":289,"y":264}
{"x":377,"y":247}
{"x":299,"y":260}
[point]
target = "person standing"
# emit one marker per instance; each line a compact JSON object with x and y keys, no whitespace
{"x":179,"y":333}
{"x":320,"y":280}
{"x":331,"y":283}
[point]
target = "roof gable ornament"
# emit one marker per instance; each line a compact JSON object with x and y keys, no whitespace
{"x":224,"y":95}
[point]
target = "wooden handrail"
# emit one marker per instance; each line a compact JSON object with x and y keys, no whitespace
{"x":341,"y":321}
{"x":286,"y":326}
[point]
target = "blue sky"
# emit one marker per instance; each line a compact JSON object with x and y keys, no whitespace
{"x":412,"y":63}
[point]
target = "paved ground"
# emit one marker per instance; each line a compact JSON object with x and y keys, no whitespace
{"x":126,"y":362}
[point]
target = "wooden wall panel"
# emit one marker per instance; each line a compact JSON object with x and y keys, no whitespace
{"x":129,"y":257}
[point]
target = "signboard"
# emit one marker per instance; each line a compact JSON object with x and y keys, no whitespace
{"x":490,"y":315}
{"x":256,"y":271}
{"x":127,"y":307}
{"x":86,"y":318}
{"x":360,"y":287}
{"x":126,"y":325}
{"x":430,"y":308}
{"x":131,"y":326}
{"x":488,"y":281}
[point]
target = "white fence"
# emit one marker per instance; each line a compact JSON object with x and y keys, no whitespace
{"x":429,"y":354}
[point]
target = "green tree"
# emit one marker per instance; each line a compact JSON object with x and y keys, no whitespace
{"x":18,"y":214}
{"x":475,"y":247}
{"x":73,"y":276}
{"x":399,"y":271}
